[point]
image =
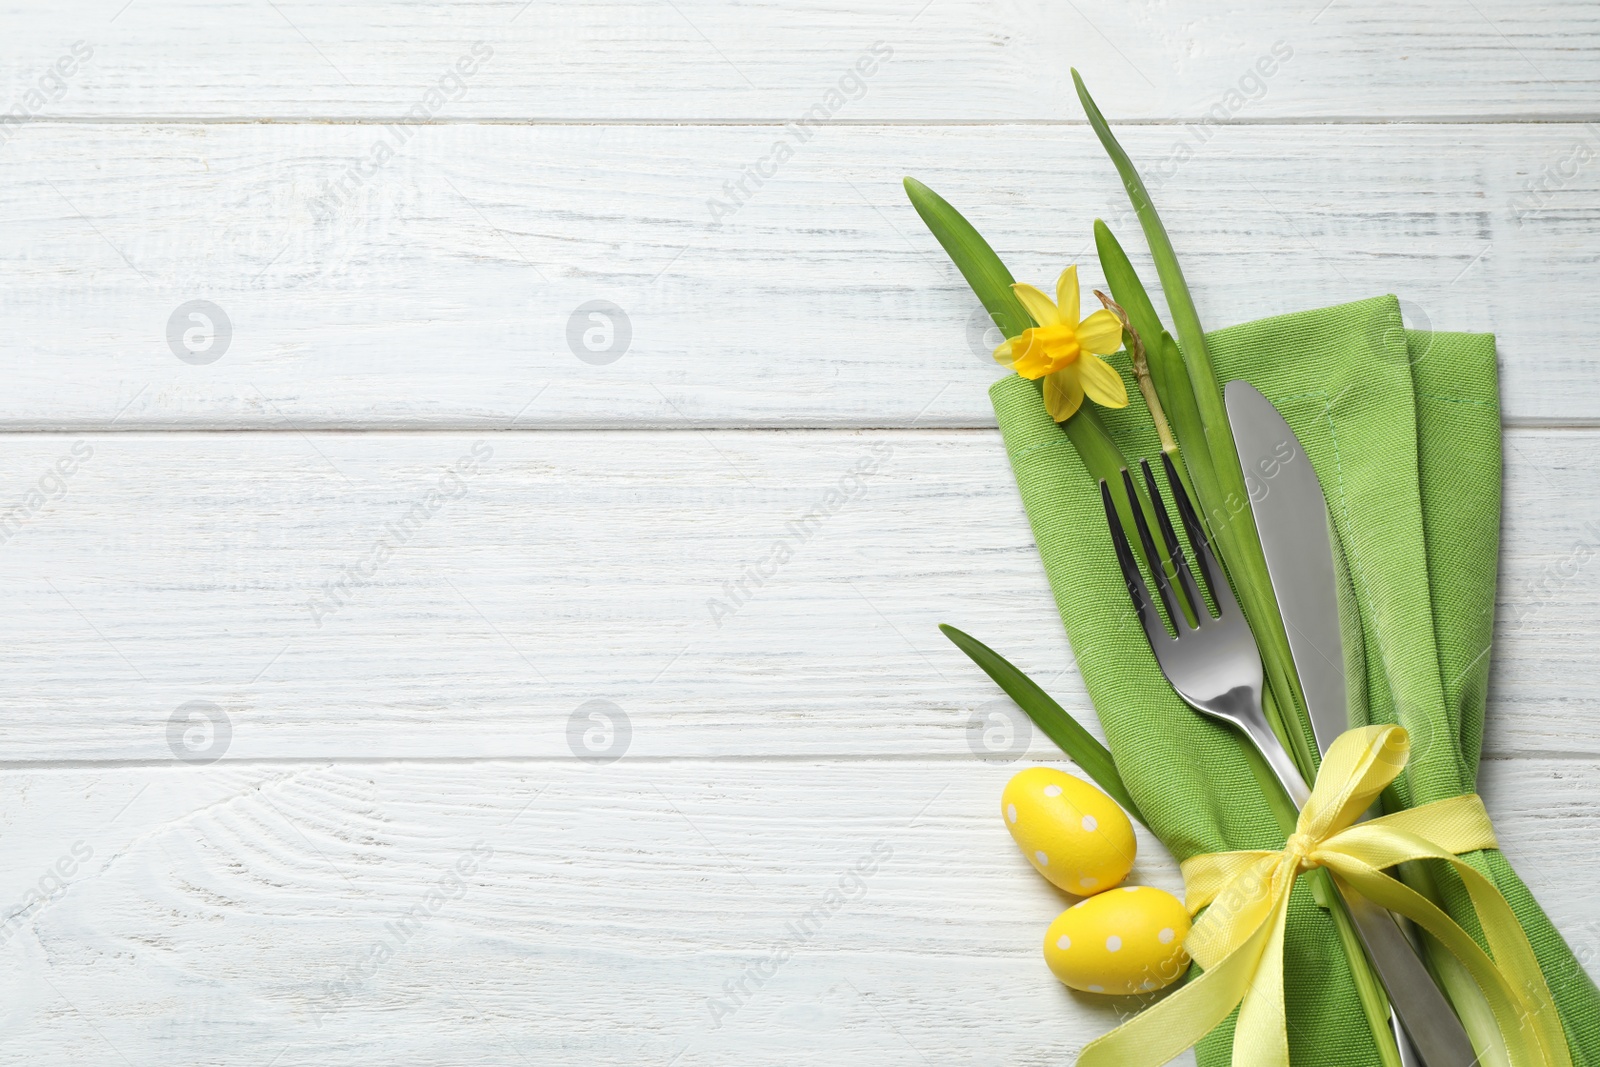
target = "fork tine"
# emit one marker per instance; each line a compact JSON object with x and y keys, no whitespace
{"x":1216,"y":581}
{"x":1130,"y":572}
{"x":1169,"y":599}
{"x":1180,"y":562}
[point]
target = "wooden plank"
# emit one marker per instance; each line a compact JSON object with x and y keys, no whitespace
{"x":454,"y":287}
{"x":730,"y":593}
{"x":229,"y":914}
{"x":971,"y":60}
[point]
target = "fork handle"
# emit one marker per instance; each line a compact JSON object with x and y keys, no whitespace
{"x":1277,"y":757}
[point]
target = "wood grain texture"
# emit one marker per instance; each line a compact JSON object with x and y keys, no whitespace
{"x":446,"y":290}
{"x":397,"y":665}
{"x":969,"y":60}
{"x":237,"y":908}
{"x":598,"y":565}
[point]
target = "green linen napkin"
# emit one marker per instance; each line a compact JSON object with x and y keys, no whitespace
{"x":1403,"y":429}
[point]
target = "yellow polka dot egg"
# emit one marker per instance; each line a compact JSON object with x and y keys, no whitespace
{"x":1125,"y":941}
{"x":1071,"y":832}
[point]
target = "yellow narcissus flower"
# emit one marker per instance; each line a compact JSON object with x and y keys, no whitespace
{"x":1065,"y":351}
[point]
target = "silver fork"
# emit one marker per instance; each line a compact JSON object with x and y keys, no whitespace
{"x":1216,"y":668}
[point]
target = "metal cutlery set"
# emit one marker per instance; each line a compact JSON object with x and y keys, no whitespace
{"x":1216,"y":667}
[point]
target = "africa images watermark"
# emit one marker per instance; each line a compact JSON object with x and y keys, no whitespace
{"x":338,"y":192}
{"x":1544,"y":588}
{"x":850,"y":886}
{"x":399,"y":931}
{"x":360,"y":574}
{"x":1250,"y":87}
{"x":50,"y":886}
{"x":49,"y":88}
{"x":852,"y":85}
{"x":737,"y":592}
{"x":51,"y":486}
{"x":1540,"y":190}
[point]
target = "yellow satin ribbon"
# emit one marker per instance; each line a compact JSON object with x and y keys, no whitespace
{"x":1239,"y":940}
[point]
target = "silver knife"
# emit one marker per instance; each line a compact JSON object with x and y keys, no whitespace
{"x":1292,"y":519}
{"x":1309,"y":580}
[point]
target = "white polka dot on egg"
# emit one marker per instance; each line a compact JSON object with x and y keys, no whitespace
{"x":1052,"y":790}
{"x":1063,"y":942}
{"x":1088,"y":883}
{"x":1011,"y":813}
{"x":1097,"y":989}
{"x":1166,"y":935}
{"x":1044,"y":861}
{"x":1090,"y":824}
{"x":1113,"y":943}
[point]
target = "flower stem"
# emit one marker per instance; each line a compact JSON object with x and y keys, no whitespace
{"x":1141,"y":374}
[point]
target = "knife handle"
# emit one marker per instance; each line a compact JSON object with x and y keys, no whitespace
{"x":1430,"y":1022}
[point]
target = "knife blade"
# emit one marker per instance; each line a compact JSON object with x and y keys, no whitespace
{"x":1298,"y":541}
{"x":1311,"y":584}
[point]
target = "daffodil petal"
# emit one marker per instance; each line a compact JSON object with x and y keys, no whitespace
{"x":1063,"y":394}
{"x":1067,"y":293}
{"x":1100,"y":333}
{"x":1038,"y":305}
{"x":1002,"y":351}
{"x":1101,"y":381}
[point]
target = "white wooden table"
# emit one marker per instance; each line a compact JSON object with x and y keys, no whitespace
{"x":383,"y":537}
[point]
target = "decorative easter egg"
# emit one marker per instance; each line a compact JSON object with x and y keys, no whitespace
{"x":1071,"y":832}
{"x":1129,"y":940}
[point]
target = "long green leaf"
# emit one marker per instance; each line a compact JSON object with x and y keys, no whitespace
{"x":973,"y":257}
{"x":1184,"y":316}
{"x":1050,"y":717}
{"x":1226,"y":506}
{"x":1125,"y":284}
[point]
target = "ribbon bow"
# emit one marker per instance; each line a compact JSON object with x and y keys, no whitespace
{"x":1239,"y":940}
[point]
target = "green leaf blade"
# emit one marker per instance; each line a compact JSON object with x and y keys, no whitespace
{"x":1057,"y":724}
{"x":973,"y":257}
{"x":1125,"y":285}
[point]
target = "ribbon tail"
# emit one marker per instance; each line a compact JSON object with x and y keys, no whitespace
{"x":1521,"y":1002}
{"x":1261,"y":1037}
{"x":1164,"y":1030}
